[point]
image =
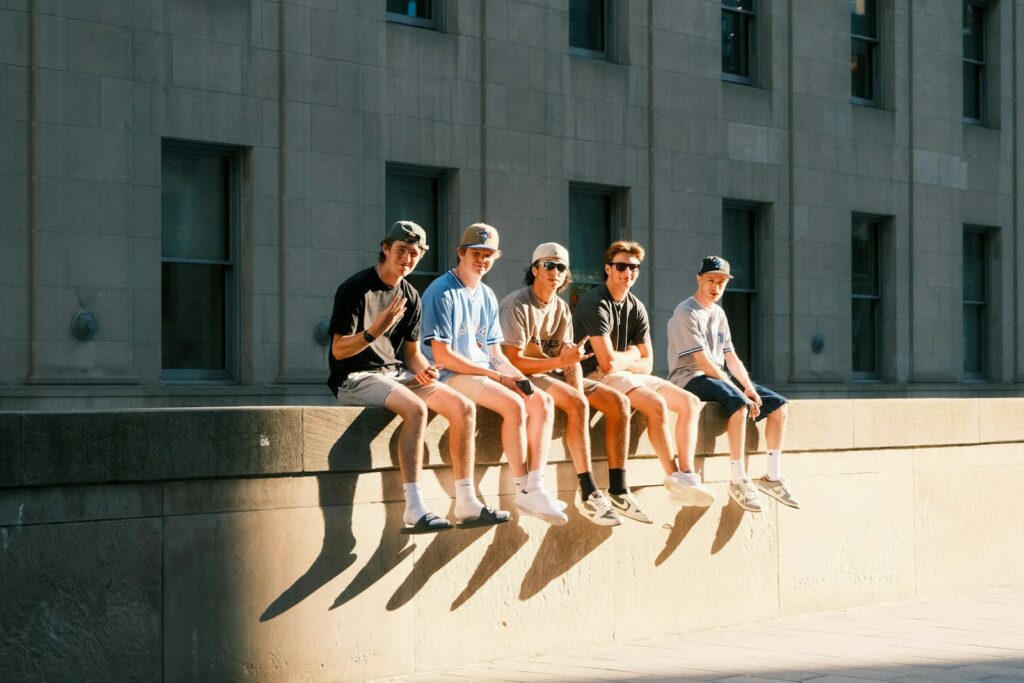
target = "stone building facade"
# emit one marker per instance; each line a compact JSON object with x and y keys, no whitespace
{"x":185,"y":183}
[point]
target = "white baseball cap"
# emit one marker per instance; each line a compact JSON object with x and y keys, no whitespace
{"x":551,"y":250}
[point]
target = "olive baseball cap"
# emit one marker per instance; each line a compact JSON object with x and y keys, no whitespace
{"x":408,"y":232}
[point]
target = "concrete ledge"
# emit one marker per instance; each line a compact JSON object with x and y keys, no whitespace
{"x":294,"y":569}
{"x":165,"y":444}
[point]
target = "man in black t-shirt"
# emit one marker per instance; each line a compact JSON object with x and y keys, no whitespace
{"x":620,"y":335}
{"x":375,"y":360}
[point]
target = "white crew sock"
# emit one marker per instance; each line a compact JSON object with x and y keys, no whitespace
{"x":535,"y":480}
{"x":467,"y":505}
{"x":739,"y":471}
{"x":775,"y":465}
{"x":414,"y":507}
{"x":520,"y":483}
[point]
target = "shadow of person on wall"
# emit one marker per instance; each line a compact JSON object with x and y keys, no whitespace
{"x":685,"y":520}
{"x":732,"y":515}
{"x":508,"y":537}
{"x":351,"y":452}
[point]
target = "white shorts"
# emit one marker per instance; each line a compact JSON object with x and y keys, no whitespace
{"x":626,"y":381}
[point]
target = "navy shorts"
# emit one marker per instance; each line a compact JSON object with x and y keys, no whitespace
{"x":731,"y":397}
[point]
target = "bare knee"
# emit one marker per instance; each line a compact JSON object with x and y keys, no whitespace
{"x":575,"y":405}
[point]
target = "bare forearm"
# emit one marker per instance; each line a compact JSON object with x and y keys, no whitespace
{"x":456,"y":362}
{"x":347,"y":346}
{"x":531,"y":366}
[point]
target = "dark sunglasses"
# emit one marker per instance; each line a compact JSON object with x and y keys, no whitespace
{"x":622,"y":266}
{"x":553,"y":265}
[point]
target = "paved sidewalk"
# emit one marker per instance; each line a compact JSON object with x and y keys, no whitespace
{"x":977,"y":636}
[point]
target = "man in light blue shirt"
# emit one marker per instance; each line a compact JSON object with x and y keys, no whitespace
{"x":461,"y":334}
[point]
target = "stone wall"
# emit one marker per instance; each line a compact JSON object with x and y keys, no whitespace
{"x":262,"y":544}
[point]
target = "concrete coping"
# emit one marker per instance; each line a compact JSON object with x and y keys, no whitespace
{"x":53,"y":449}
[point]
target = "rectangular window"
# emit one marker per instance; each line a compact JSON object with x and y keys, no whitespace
{"x":740,"y":249}
{"x":867,"y":299}
{"x":974,"y":60}
{"x":588,"y":28}
{"x":975,"y":320}
{"x":738,"y":40}
{"x":864,"y":51}
{"x":199,"y":214}
{"x":413,"y":12}
{"x":593,"y":226}
{"x":417,"y":194}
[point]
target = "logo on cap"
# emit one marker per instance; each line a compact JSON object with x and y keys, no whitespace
{"x":485,"y":234}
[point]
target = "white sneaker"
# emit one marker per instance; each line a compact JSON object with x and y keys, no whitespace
{"x":539,"y":504}
{"x":688,"y":488}
{"x":598,"y":509}
{"x":746,"y":495}
{"x":777,"y":489}
{"x":627,"y":506}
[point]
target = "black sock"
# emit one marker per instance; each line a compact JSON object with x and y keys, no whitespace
{"x":587,"y":485}
{"x":617,"y":481}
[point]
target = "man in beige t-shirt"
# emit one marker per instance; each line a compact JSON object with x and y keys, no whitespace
{"x":537,"y":330}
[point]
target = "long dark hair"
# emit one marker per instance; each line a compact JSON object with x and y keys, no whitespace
{"x":529,"y":278}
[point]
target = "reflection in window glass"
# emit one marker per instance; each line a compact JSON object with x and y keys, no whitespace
{"x":421,"y":9}
{"x":590,"y":233}
{"x":864,"y":49}
{"x":737,"y":39}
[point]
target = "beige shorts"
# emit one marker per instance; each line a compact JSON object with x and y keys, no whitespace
{"x":547,"y":379}
{"x":372,"y":388}
{"x":470,"y":386}
{"x":626,"y":381}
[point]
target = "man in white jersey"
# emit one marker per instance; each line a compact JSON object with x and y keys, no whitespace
{"x":375,"y":360}
{"x":461,"y":334}
{"x":702,"y":360}
{"x":537,"y":327}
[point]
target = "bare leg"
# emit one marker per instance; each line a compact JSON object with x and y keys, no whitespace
{"x":413,"y":412}
{"x":653,"y":406}
{"x":540,"y":420}
{"x":461,"y":415}
{"x":775,"y":429}
{"x":615,"y":407}
{"x":510,"y":406}
{"x":577,"y":423}
{"x":686,"y":406}
{"x":737,"y":431}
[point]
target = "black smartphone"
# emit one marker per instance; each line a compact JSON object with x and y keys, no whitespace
{"x":525,"y":386}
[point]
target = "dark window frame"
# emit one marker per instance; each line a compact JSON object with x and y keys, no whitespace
{"x":232,"y":286}
{"x":878,"y":374}
{"x":873,"y":44}
{"x":616,"y":200}
{"x":750,"y":22}
{"x":432,"y":23}
{"x":978,"y":64}
{"x":984,"y":362}
{"x":754,"y":358}
{"x":420,"y":278}
{"x":607,"y":28}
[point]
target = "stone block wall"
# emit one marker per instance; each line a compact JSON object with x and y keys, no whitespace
{"x":263,"y":544}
